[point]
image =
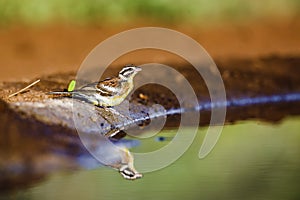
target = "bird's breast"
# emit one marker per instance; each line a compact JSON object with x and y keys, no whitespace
{"x":119,"y":97}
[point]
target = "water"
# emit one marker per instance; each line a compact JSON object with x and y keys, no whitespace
{"x":252,"y":160}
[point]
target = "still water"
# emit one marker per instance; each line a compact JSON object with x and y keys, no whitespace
{"x":252,"y":160}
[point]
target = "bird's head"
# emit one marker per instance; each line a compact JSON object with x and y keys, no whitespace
{"x":129,"y":173}
{"x":126,"y":168}
{"x":129,"y":71}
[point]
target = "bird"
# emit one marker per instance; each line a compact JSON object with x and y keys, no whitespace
{"x":123,"y":162}
{"x":118,"y":157}
{"x":113,"y":154}
{"x":108,"y":92}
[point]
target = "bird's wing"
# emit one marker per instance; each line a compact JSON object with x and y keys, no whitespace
{"x":109,"y":85}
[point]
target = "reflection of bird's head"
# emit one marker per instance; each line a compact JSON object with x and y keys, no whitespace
{"x":126,"y":168}
{"x":129,"y":173}
{"x":129,"y":71}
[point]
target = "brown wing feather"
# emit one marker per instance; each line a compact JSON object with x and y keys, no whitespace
{"x":110,"y":86}
{"x":110,"y":82}
{"x":106,"y":87}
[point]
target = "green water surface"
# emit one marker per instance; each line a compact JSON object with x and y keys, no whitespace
{"x":252,"y":160}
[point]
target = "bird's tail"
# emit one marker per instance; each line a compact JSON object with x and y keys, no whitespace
{"x":83,"y":96}
{"x":60,"y":93}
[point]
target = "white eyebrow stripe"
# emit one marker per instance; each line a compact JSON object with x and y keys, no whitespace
{"x":125,"y":70}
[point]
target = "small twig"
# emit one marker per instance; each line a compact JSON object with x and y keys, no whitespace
{"x":25,"y":88}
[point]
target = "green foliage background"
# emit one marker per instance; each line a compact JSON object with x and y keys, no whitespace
{"x":120,"y":11}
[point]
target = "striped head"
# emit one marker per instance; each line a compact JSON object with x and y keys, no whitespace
{"x":129,"y":173}
{"x":129,"y":71}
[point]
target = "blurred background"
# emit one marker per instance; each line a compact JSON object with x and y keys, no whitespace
{"x":41,"y":37}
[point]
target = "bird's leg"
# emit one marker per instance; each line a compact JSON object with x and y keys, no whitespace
{"x":114,"y":130}
{"x":114,"y":111}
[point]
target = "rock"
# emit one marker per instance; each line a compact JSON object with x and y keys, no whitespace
{"x":39,"y":133}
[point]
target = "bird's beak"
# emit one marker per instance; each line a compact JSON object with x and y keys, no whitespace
{"x":137,"y":69}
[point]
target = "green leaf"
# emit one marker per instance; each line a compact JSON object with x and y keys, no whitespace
{"x":71,"y":86}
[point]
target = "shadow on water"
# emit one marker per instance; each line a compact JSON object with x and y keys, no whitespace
{"x":252,"y":160}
